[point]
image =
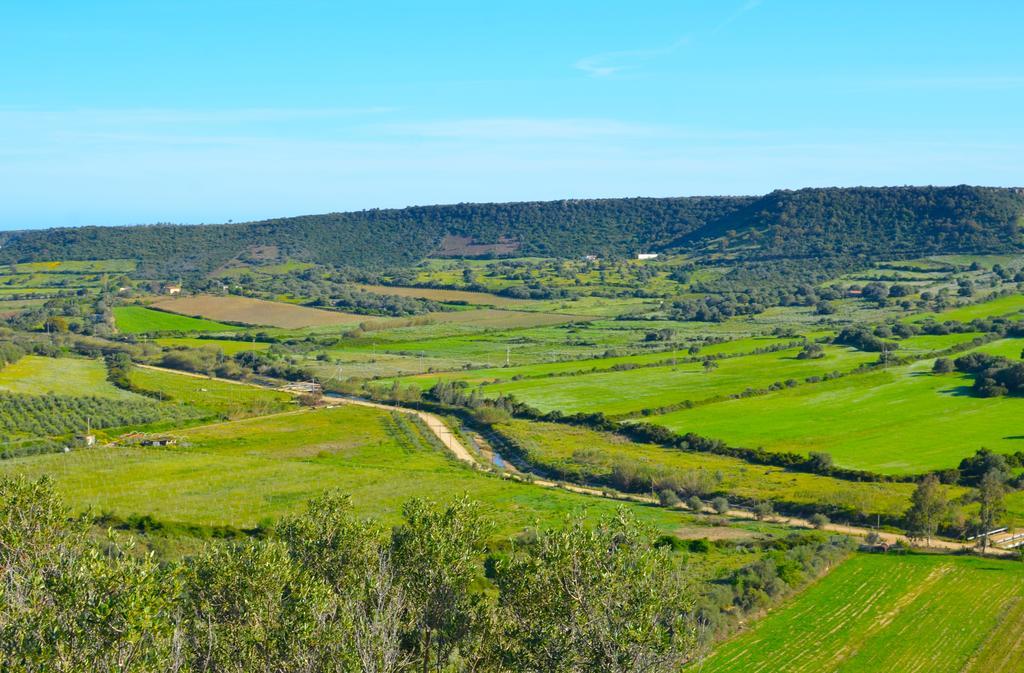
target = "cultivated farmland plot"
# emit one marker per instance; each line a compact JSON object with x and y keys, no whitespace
{"x":928,"y":614}
{"x":631,"y":391}
{"x":898,"y":421}
{"x":585,"y":366}
{"x":256,"y":312}
{"x":34,"y":375}
{"x":142,"y":320}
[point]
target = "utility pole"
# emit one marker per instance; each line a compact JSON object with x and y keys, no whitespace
{"x":508,"y":355}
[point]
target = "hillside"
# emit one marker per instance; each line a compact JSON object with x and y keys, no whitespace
{"x":869,"y":223}
{"x":379,"y":238}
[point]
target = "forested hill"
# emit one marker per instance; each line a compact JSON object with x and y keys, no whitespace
{"x":378,"y":238}
{"x":874,"y":223}
{"x":869,"y":223}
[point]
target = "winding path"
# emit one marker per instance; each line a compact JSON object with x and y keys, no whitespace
{"x":454,"y":444}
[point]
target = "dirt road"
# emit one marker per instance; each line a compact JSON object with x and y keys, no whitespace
{"x":454,"y":444}
{"x":436,"y":425}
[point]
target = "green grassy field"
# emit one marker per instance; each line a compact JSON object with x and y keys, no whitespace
{"x":931,"y":343}
{"x":646,"y":388}
{"x":493,"y":374}
{"x":211,"y":396}
{"x":901,"y":420}
{"x":589,"y":454}
{"x":420,"y":348}
{"x":226,"y":346}
{"x":240,"y":472}
{"x":927,"y":614}
{"x":1001,"y":306}
{"x":35,"y":375}
{"x":141,"y":320}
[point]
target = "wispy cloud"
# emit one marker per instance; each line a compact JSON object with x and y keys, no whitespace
{"x":737,"y":13}
{"x":613,"y":62}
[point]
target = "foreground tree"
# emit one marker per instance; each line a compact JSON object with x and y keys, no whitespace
{"x":329,"y":593}
{"x":249,"y":608}
{"x":436,"y":553}
{"x":596,"y":599}
{"x":65,"y":605}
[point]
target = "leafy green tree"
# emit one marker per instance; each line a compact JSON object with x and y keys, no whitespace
{"x":929,"y":506}
{"x":249,"y":608}
{"x":599,"y":598}
{"x":436,"y":552}
{"x":330,"y":542}
{"x":65,"y":605}
{"x":991,"y":493}
{"x":56,"y":324}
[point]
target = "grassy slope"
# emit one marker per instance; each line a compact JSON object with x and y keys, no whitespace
{"x":35,"y":375}
{"x":902,"y":420}
{"x":1000,"y":306}
{"x":630,"y":391}
{"x":211,"y":396}
{"x":240,"y":472}
{"x":140,"y":320}
{"x":875,"y":613}
{"x":574,"y":448}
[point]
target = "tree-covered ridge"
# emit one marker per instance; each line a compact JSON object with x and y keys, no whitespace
{"x":378,"y":238}
{"x":858,"y":223}
{"x":871,"y":223}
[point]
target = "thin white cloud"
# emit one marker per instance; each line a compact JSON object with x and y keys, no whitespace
{"x":736,"y":14}
{"x":613,"y":62}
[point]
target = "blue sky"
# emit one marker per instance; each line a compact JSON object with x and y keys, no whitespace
{"x":176,"y":111}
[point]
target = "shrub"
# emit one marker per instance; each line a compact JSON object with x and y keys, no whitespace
{"x":700,"y":545}
{"x":763,"y":510}
{"x":668,"y":498}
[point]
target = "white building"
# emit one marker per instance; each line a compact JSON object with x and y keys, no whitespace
{"x":647,"y":255}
